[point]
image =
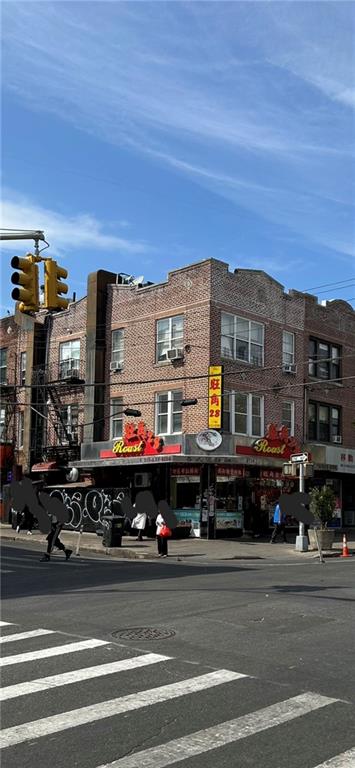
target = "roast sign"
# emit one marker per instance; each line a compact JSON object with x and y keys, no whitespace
{"x":263,"y":446}
{"x":120,"y":447}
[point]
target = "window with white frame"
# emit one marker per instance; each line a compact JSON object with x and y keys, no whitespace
{"x":243,"y":414}
{"x":21,"y":427}
{"x":170,"y":332}
{"x":168,"y":418}
{"x":117,"y":349}
{"x":69,"y":358}
{"x":68,"y":426}
{"x":288,"y":348}
{"x":23,"y":357}
{"x":116,"y":417}
{"x":3,"y":365}
{"x":288,"y":416}
{"x":2,"y":423}
{"x":242,"y":339}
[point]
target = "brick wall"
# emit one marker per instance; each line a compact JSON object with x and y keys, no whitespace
{"x":15,"y":340}
{"x":136,"y":310}
{"x":335,"y":323}
{"x":253,"y":295}
{"x":65,"y":326}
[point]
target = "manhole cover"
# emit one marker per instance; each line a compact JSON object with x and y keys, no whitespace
{"x":144,"y":633}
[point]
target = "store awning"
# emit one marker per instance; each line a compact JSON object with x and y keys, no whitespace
{"x":249,"y":461}
{"x":45,"y":466}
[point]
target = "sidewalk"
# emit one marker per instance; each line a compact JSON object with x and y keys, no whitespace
{"x":199,"y":549}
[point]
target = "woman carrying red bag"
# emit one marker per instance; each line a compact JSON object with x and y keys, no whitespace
{"x":163,"y":533}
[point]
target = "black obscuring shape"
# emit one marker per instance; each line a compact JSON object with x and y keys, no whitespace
{"x":296,"y":505}
{"x":145,"y":504}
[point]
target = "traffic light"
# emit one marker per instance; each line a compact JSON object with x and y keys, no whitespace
{"x":53,"y":286}
{"x":27,"y":292}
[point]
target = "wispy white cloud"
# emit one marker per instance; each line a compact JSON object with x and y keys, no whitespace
{"x":64,"y":233}
{"x":250,"y":100}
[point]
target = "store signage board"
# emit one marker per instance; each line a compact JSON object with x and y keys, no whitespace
{"x":215,"y":396}
{"x":138,"y":441}
{"x":299,"y":458}
{"x":277,"y":443}
{"x":208,"y":439}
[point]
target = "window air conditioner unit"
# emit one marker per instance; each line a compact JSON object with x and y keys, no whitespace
{"x":336,"y":439}
{"x":115,"y":366}
{"x":175,"y":354}
{"x":72,"y":373}
{"x":289,"y":368}
{"x":142,"y":479}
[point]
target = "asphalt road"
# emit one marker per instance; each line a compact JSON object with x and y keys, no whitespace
{"x":256,"y":669}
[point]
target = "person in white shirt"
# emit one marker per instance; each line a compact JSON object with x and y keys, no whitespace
{"x":162,"y":541}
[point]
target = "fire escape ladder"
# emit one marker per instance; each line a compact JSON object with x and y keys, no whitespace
{"x":60,"y":426}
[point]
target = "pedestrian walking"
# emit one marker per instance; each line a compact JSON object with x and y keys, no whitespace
{"x":25,"y":520}
{"x":279,"y":521}
{"x":139,"y":523}
{"x":163,"y":533}
{"x":54,"y":541}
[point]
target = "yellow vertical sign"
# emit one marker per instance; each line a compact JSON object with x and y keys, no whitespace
{"x":215,"y":396}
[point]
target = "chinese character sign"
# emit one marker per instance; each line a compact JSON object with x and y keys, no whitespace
{"x":215,"y":397}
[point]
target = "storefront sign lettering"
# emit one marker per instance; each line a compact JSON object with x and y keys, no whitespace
{"x":263,"y":446}
{"x":138,"y":441}
{"x":277,"y":443}
{"x":215,"y":397}
{"x":119,"y":447}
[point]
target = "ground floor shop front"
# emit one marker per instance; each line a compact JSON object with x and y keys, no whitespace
{"x":212,"y":497}
{"x":214,"y":492}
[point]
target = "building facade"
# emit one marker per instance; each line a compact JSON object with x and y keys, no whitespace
{"x":286,"y":361}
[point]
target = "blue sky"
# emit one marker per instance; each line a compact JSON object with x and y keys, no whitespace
{"x":144,"y":136}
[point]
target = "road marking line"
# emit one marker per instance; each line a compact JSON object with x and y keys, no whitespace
{"x":26,"y":635}
{"x":4,"y":570}
{"x":44,"y":653}
{"x":224,"y":733}
{"x":6,"y":624}
{"x":345,"y":760}
{"x":104,"y":709}
{"x":87,"y":673}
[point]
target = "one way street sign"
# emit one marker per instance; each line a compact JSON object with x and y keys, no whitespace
{"x":299,"y":458}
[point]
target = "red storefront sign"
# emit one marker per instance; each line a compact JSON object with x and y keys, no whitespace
{"x":138,"y":441}
{"x":230,"y":471}
{"x":276,"y":444}
{"x":185,"y":470}
{"x":271,"y":474}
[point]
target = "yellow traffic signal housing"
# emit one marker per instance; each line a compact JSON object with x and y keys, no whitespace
{"x":53,"y":286}
{"x":27,"y":292}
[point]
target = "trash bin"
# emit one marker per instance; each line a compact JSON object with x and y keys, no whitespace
{"x":112,"y":530}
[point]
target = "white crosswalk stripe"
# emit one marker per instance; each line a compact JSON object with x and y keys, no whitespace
{"x":105,"y":709}
{"x":26,"y":635}
{"x":87,"y":673}
{"x":57,"y":650}
{"x":345,"y":760}
{"x":164,"y":754}
{"x":223,"y":733}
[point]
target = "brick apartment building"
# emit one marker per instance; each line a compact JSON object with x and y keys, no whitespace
{"x":287,"y":362}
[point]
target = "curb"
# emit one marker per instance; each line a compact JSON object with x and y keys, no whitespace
{"x":119,"y":552}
